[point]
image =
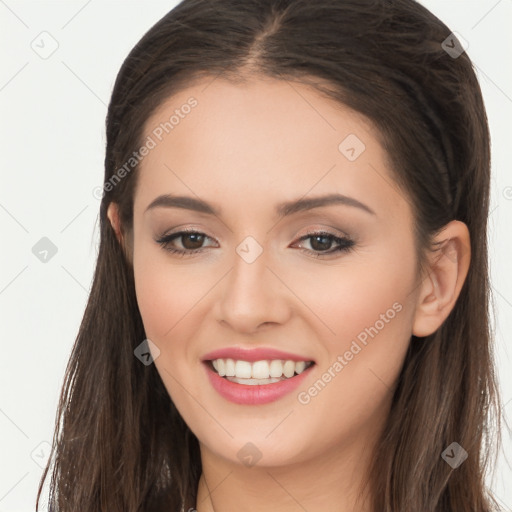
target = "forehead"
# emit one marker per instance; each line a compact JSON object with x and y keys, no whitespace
{"x":274,"y":138}
{"x":282,"y":113}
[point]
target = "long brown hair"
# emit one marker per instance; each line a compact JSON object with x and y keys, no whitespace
{"x":119,"y":442}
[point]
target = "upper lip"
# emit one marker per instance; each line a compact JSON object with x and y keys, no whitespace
{"x":253,"y":354}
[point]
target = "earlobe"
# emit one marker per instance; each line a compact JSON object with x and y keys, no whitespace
{"x":113,"y":216}
{"x":447,"y":271}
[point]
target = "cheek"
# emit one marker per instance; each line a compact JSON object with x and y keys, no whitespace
{"x":158,"y":299}
{"x":351,"y":392}
{"x":365,"y":311}
{"x":168,"y":301}
{"x":356,"y":298}
{"x":371,"y":309}
{"x":167,"y":294}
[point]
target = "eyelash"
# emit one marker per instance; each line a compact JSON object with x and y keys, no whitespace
{"x":345,"y":244}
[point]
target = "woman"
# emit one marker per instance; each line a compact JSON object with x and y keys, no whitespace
{"x":289,"y":308}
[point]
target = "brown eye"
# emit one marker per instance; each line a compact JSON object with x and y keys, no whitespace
{"x":321,"y":242}
{"x":192,"y":240}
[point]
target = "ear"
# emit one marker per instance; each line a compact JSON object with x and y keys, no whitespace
{"x":113,"y":216}
{"x":448,"y":267}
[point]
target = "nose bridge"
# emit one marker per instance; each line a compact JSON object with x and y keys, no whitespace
{"x":252,"y":295}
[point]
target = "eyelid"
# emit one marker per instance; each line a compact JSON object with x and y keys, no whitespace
{"x":331,"y":230}
{"x":187,"y":229}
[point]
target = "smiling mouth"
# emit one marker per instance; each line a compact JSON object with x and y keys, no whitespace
{"x":258,"y":372}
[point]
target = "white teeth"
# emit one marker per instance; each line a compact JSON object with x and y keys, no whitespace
{"x":253,"y":382}
{"x":252,"y":373}
{"x":300,"y":367}
{"x":221,"y":367}
{"x":289,"y":368}
{"x":260,"y":370}
{"x":243,"y":369}
{"x":276,"y":368}
{"x":230,"y":368}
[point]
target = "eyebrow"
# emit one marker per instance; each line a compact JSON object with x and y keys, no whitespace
{"x":282,"y":210}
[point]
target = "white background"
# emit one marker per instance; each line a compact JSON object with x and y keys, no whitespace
{"x":52,"y":150}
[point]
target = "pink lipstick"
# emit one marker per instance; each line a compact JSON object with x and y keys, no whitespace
{"x":255,"y":376}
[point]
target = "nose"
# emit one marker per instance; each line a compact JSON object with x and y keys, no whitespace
{"x":253,"y":297}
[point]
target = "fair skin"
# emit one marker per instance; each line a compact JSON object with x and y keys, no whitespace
{"x":244,"y":149}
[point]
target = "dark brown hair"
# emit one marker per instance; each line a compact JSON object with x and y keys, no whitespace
{"x":119,"y":443}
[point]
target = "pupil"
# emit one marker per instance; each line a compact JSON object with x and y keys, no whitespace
{"x":198,"y":241}
{"x":326,"y":243}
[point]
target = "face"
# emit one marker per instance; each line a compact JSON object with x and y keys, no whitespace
{"x":290,"y":242}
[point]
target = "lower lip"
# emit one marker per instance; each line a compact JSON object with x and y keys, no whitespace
{"x":257,"y":394}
